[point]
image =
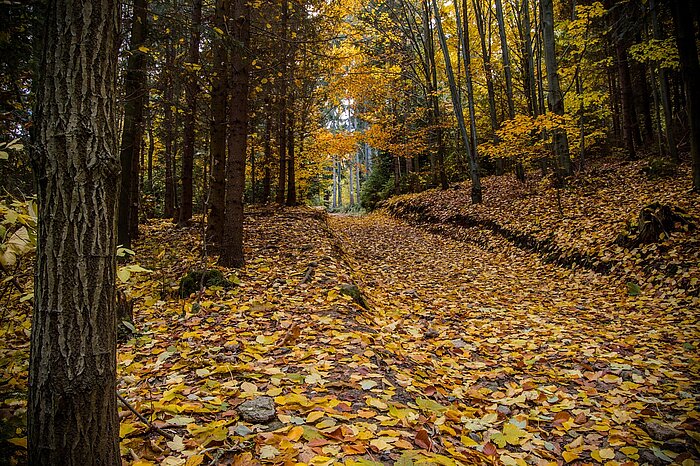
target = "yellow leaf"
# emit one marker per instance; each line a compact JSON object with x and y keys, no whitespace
{"x":126,"y":428}
{"x":296,"y":433}
{"x":607,"y":453}
{"x":314,"y":416}
{"x":20,"y":442}
{"x":569,"y":456}
{"x":249,"y":388}
{"x":194,"y":460}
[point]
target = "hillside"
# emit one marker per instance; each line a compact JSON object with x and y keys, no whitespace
{"x":577,"y":226}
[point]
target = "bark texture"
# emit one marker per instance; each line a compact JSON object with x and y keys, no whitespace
{"x":232,"y":244}
{"x":72,"y":414}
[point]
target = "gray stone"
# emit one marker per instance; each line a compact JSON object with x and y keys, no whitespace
{"x":258,"y":410}
{"x":661,"y":432}
{"x":354,"y":292}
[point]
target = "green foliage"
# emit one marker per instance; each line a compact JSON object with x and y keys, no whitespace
{"x":376,"y":188}
{"x":659,"y":53}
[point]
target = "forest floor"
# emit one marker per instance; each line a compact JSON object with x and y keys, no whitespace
{"x":459,"y":352}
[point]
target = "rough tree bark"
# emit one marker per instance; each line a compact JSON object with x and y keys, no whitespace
{"x":232,"y":241}
{"x":72,"y":412}
{"x":135,"y":83}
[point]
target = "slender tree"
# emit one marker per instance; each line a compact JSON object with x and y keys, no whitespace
{"x":72,"y":412}
{"x":560,"y":142}
{"x":135,"y":92}
{"x":190,"y":118}
{"x":459,"y":114}
{"x":219,"y":93}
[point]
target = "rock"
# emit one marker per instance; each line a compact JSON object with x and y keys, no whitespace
{"x":191,"y":282}
{"x":354,"y":292}
{"x":647,"y":456}
{"x":259,"y":410}
{"x":661,"y":432}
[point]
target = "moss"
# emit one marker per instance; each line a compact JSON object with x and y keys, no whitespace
{"x":191,"y":282}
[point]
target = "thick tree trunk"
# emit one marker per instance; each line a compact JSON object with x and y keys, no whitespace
{"x":232,"y":241}
{"x":560,"y":141}
{"x":217,"y":130}
{"x":72,"y":412}
{"x":132,"y":135}
{"x":191,"y":91}
{"x":690,"y":70}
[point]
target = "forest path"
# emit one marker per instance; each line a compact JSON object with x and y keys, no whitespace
{"x":552,"y":362}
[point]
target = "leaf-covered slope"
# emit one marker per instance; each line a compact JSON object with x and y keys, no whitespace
{"x":596,"y":208}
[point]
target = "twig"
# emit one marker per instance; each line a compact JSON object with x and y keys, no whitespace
{"x":143,"y":419}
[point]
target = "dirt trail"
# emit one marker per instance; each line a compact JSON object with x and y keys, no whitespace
{"x":544,"y":362}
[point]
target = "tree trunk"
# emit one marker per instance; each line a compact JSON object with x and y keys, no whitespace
{"x":630,"y":125}
{"x":690,"y":70}
{"x":168,"y":124}
{"x":191,"y":91}
{"x":505,"y":57}
{"x":267,"y":148}
{"x":291,"y":176}
{"x":463,"y":31}
{"x":528,"y":57}
{"x":282,"y":127}
{"x":663,"y":90}
{"x":132,"y":135}
{"x":560,"y":141}
{"x":457,"y":104}
{"x":219,"y":92}
{"x":72,"y":411}
{"x":334,"y":189}
{"x":232,"y":240}
{"x":486,"y":55}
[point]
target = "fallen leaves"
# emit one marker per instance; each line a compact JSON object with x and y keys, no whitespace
{"x":466,"y":356}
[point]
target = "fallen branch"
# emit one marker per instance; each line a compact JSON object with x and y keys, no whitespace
{"x":143,"y":419}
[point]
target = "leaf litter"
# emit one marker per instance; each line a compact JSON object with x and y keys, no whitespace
{"x":464,"y":355}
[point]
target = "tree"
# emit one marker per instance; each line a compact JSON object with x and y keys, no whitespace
{"x":457,"y":104}
{"x":219,"y":93}
{"x":135,"y":92}
{"x":232,"y":240}
{"x":72,"y":415}
{"x":690,"y":70}
{"x":191,"y":91}
{"x":560,"y":141}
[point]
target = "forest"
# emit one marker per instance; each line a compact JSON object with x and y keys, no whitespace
{"x":349,"y":232}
